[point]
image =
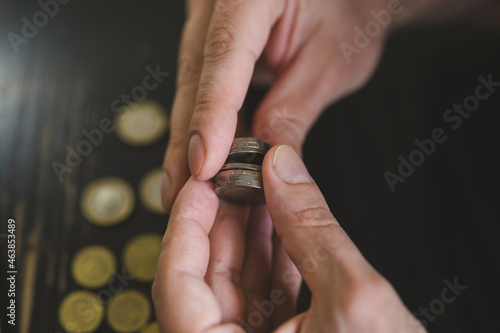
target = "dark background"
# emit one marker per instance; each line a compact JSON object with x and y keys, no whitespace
{"x":441,"y":223}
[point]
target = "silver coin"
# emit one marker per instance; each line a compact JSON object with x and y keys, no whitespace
{"x":249,"y":145}
{"x":239,"y":174}
{"x":240,"y":179}
{"x":243,"y":183}
{"x":242,"y":192}
{"x":241,"y":166}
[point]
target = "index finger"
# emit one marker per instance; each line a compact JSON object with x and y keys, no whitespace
{"x":179,"y":290}
{"x":236,"y":37}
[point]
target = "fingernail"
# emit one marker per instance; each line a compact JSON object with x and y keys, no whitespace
{"x":196,"y":154}
{"x":166,"y":189}
{"x":289,"y":167}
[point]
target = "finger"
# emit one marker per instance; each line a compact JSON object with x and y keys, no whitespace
{"x":189,"y":68}
{"x":227,"y":251}
{"x":233,"y":44}
{"x":179,"y":290}
{"x":305,"y":86}
{"x":285,"y":286}
{"x":257,"y":270}
{"x":311,"y":236}
{"x":293,"y":325}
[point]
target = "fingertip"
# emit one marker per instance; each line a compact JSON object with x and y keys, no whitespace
{"x":286,"y":164}
{"x":196,"y":196}
{"x":208,"y":153}
{"x":196,"y":154}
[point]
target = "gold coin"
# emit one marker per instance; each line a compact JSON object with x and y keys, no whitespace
{"x":150,"y":191}
{"x":80,"y":311}
{"x":141,"y":124}
{"x":140,"y":256}
{"x":128,"y":311}
{"x":107,"y":201}
{"x":93,"y":266}
{"x":152,"y":328}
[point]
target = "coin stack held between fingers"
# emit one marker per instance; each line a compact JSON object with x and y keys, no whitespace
{"x":240,"y":179}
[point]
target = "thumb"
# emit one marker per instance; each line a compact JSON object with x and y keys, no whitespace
{"x":310,"y":234}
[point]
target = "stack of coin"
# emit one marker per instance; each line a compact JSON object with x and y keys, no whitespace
{"x":240,"y":179}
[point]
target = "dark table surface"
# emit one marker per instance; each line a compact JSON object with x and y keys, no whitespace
{"x":441,"y":223}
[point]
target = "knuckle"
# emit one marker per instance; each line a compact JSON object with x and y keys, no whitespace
{"x":219,"y":42}
{"x":208,"y":102}
{"x":314,"y":217}
{"x":204,"y":99}
{"x":221,"y":35}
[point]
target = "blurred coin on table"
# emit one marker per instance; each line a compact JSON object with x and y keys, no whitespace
{"x":107,"y":201}
{"x":152,"y":328}
{"x":81,"y":311}
{"x":140,"y":256}
{"x":150,"y":191}
{"x":93,"y":266}
{"x":128,"y":311}
{"x":141,"y":124}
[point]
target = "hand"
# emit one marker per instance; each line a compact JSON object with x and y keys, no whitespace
{"x":298,"y":40}
{"x":205,"y":268}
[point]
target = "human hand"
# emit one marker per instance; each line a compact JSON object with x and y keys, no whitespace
{"x":299,"y":40}
{"x":210,"y":280}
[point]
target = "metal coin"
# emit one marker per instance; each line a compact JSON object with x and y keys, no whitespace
{"x":141,"y":124}
{"x":244,"y":175}
{"x":152,"y":328}
{"x":81,"y":311}
{"x":244,"y":183}
{"x":107,"y":201}
{"x":150,"y":191}
{"x":240,"y":178}
{"x":93,"y":266}
{"x":140,"y":256}
{"x":248,"y":145}
{"x":243,"y":192}
{"x":241,"y":166}
{"x":245,"y":158}
{"x":129,"y":311}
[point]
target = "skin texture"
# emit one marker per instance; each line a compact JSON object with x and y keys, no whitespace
{"x":220,"y":261}
{"x":299,"y":43}
{"x":207,"y":284}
